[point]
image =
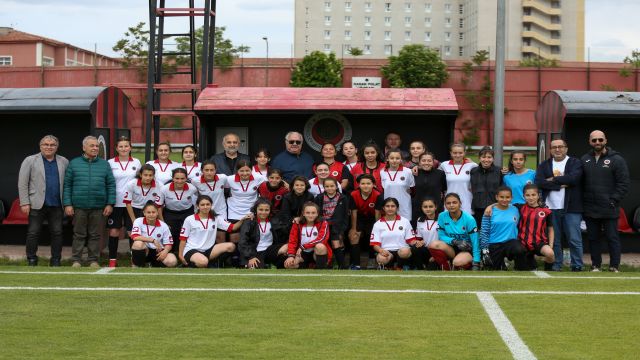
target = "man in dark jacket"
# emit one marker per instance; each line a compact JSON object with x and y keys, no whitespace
{"x":560,"y":178}
{"x":89,"y":195}
{"x":227,"y":160}
{"x":606,"y":182}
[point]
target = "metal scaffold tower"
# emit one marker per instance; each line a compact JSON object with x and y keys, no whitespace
{"x":159,"y":92}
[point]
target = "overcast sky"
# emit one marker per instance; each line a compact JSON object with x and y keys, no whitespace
{"x":612,"y":28}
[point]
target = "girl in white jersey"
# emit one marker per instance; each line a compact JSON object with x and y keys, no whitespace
{"x":262,"y":158}
{"x":426,"y":232}
{"x":316,"y":186}
{"x":398,"y":182}
{"x":140,"y":191}
{"x":124,"y":169}
{"x":458,"y":173}
{"x":190,"y":163}
{"x":212,"y":185}
{"x":152,"y":240}
{"x":350,"y":152}
{"x":178,"y":199}
{"x":391,"y":236}
{"x":243,"y":189}
{"x":164,"y":166}
{"x":198,"y":236}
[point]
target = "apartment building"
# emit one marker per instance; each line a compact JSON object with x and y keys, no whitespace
{"x":551,"y":29}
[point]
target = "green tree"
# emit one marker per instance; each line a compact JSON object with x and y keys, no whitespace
{"x":416,"y":66}
{"x":134,"y":47}
{"x":317,"y":70}
{"x":223,"y":53}
{"x":355,"y":51}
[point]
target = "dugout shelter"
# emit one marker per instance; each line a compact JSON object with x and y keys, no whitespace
{"x":262,"y":117}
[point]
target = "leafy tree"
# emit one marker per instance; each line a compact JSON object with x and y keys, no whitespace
{"x":355,"y":51}
{"x":537,"y":61}
{"x":416,"y":66}
{"x":317,"y":70}
{"x":134,"y":47}
{"x":223,"y":53}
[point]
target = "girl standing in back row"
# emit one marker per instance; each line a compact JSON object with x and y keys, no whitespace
{"x":458,"y":173}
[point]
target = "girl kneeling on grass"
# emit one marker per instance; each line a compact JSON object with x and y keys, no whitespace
{"x":499,"y":234}
{"x":152,"y":240}
{"x":457,"y":237}
{"x":391,"y":236}
{"x":309,"y":240}
{"x":534,"y":220}
{"x":198,"y":236}
{"x":263,"y":240}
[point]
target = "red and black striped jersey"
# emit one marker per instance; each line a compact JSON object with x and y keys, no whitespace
{"x":533,"y":224}
{"x":368,"y":207}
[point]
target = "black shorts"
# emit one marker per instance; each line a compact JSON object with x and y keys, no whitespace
{"x":191,"y":252}
{"x":151,"y":258}
{"x":537,"y":248}
{"x":510,"y":249}
{"x":270,"y":256}
{"x":460,"y":246}
{"x":119,"y":217}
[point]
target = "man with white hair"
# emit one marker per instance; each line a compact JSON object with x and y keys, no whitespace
{"x":226,"y":161}
{"x":606,"y":182}
{"x":89,"y":196}
{"x":40,"y":190}
{"x":293,"y":161}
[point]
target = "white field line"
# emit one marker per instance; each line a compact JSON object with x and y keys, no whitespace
{"x":104,"y":270}
{"x":252,"y":273}
{"x":312,"y":290}
{"x":542,"y":274}
{"x":508,"y":333}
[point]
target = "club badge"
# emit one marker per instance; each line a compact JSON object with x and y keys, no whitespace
{"x":542,"y":214}
{"x":371,"y":205}
{"x":334,"y":173}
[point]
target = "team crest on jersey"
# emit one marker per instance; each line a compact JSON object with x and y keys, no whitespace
{"x":400,"y":228}
{"x":529,"y":182}
{"x":188,"y":197}
{"x":371,"y":237}
{"x":255,"y":188}
{"x":515,"y":218}
{"x":402,"y":178}
{"x":159,"y":236}
{"x":607,"y":162}
{"x":334,"y":173}
{"x":197,"y":174}
{"x":110,"y":222}
{"x":467,"y":172}
{"x":221,"y":186}
{"x":182,"y":231}
{"x":278,"y":197}
{"x":371,"y":205}
{"x":464,"y":228}
{"x":315,"y":233}
{"x":133,"y":168}
{"x":542,"y":214}
{"x":154,"y":194}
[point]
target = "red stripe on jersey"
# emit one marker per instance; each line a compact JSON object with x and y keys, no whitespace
{"x":532,"y":227}
{"x":275,"y":197}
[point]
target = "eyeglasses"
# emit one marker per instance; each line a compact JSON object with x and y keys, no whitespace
{"x":295,"y":142}
{"x":558,"y":147}
{"x":595,"y":140}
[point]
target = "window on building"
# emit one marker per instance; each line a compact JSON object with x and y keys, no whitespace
{"x":327,"y":6}
{"x":306,"y":24}
{"x":555,"y":49}
{"x":407,"y":7}
{"x":427,"y":36}
{"x":461,"y":23}
{"x":388,"y":49}
{"x":367,"y":21}
{"x":367,"y":34}
{"x":447,"y":50}
{"x":387,"y":21}
{"x":387,"y":35}
{"x":407,"y":21}
{"x":526,"y":11}
{"x":526,"y":42}
{"x":555,"y":4}
{"x":327,"y":34}
{"x":447,"y":36}
{"x":70,"y":62}
{"x":447,"y":22}
{"x":407,"y":36}
{"x":327,"y":20}
{"x":555,"y":19}
{"x":327,"y":48}
{"x":461,"y":36}
{"x":555,"y":34}
{"x":387,"y":7}
{"x":461,"y":9}
{"x":306,"y":38}
{"x":6,"y":60}
{"x":347,"y":21}
{"x":47,"y":61}
{"x":347,"y":6}
{"x":427,"y":22}
{"x":460,"y":51}
{"x":306,"y":11}
{"x":347,"y":34}
{"x":447,"y":7}
{"x":367,"y":6}
{"x":346,"y":48}
{"x":427,"y":7}
{"x":367,"y":50}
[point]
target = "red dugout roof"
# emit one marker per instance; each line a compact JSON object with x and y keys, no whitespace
{"x":291,"y":99}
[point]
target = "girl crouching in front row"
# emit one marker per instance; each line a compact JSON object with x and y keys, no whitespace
{"x":198,"y":236}
{"x":309,"y":240}
{"x":391,"y":236}
{"x":152,"y":240}
{"x":263,"y":240}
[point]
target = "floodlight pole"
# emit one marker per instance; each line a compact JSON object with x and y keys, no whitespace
{"x":498,"y":105}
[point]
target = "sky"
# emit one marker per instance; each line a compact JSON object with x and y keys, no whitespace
{"x":612,"y":27}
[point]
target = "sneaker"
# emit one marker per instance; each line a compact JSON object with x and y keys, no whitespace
{"x":614,"y":269}
{"x":113,"y":263}
{"x":94,"y":265}
{"x":595,"y":268}
{"x":354,"y":267}
{"x":76,"y":264}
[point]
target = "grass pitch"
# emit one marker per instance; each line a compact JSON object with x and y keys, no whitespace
{"x":231,"y":314}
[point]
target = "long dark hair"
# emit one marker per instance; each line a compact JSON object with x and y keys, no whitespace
{"x":208,"y":198}
{"x":423,"y":217}
{"x":511,"y":169}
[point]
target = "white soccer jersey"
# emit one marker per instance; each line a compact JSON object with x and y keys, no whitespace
{"x":193,"y":172}
{"x":244,"y":194}
{"x":163,"y":171}
{"x":138,"y":195}
{"x":215,"y":190}
{"x":159,"y":231}
{"x":178,"y":200}
{"x":398,"y":184}
{"x":459,"y":180}
{"x":392,"y":235}
{"x":200,"y":234}
{"x":266,"y":237}
{"x":427,"y":230}
{"x":316,"y":187}
{"x":123,"y":172}
{"x":256,"y":172}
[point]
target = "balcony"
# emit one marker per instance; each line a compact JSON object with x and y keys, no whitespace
{"x":541,"y":23}
{"x":541,"y":7}
{"x":541,"y":38}
{"x":540,"y":52}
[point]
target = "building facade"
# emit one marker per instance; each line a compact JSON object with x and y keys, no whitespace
{"x":550,"y":29}
{"x":22,"y":49}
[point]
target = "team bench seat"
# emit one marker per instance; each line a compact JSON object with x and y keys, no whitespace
{"x":15,"y":215}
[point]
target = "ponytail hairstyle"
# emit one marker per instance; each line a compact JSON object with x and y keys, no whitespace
{"x":207,"y":198}
{"x":537,"y":189}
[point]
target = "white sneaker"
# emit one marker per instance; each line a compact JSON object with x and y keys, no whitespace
{"x":76,"y":264}
{"x":94,"y":265}
{"x":595,"y":269}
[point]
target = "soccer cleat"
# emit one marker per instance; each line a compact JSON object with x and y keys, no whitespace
{"x":113,"y":263}
{"x":33,"y":262}
{"x":76,"y":264}
{"x":614,"y":269}
{"x":595,"y":269}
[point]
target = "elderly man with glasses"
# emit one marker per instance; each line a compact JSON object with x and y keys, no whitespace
{"x":40,"y":184}
{"x":293,"y":161}
{"x":606,"y":182}
{"x":560,"y":178}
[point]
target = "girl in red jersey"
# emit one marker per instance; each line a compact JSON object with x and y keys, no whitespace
{"x":124,"y":168}
{"x":350,"y":152}
{"x":337,"y":170}
{"x":372,"y":164}
{"x":335,"y":210}
{"x":163,"y":165}
{"x":322,"y":171}
{"x":535,"y":229}
{"x":274,"y":190}
{"x":263,"y":240}
{"x":190,"y":163}
{"x":309,"y":240}
{"x":198,"y":236}
{"x":262,"y":159}
{"x":366,"y":205}
{"x":152,"y":240}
